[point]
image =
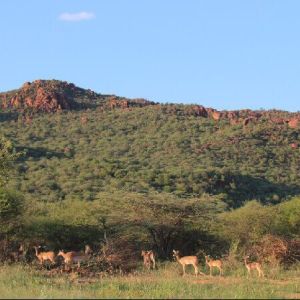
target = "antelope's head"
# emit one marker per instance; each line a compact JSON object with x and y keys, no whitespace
{"x":175,"y":253}
{"x":37,"y":248}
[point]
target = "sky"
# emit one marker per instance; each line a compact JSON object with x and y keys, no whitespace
{"x":229,"y":54}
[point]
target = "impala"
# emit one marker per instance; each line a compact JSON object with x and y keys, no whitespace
{"x":253,"y":266}
{"x":149,"y":258}
{"x":43,"y":256}
{"x":187,"y":260}
{"x":73,"y":257}
{"x":217,"y":263}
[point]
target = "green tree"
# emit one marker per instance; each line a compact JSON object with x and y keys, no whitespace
{"x":8,"y":155}
{"x":11,"y":207}
{"x":287,"y":220}
{"x":245,"y":226}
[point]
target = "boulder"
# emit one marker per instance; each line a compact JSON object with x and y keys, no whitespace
{"x":294,"y":145}
{"x":199,"y":111}
{"x":294,"y":122}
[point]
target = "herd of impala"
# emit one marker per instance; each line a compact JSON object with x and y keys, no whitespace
{"x":68,"y":257}
{"x":217,"y":263}
{"x":72,"y":257}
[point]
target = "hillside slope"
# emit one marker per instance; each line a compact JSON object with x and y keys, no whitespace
{"x":105,"y":143}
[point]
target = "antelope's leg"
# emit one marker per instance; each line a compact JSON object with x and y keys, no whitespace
{"x":183,"y":267}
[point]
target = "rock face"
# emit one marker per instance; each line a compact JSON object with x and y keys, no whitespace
{"x":246,"y":117}
{"x":114,"y":102}
{"x":55,"y":95}
{"x":200,"y":111}
{"x":294,"y":122}
{"x":41,"y":95}
{"x":214,"y":114}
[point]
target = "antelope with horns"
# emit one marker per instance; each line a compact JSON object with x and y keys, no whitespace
{"x":149,"y":258}
{"x":217,"y":263}
{"x":187,"y":260}
{"x":43,"y":256}
{"x":253,"y":266}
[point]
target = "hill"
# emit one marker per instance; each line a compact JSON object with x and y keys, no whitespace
{"x":97,"y":143}
{"x":54,"y":95}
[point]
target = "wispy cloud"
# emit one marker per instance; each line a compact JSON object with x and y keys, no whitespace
{"x":76,"y":17}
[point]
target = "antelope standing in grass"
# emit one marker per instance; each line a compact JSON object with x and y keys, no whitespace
{"x":217,"y":263}
{"x":187,"y":260}
{"x":253,"y":266}
{"x":73,"y":257}
{"x":43,"y":256}
{"x":149,"y":258}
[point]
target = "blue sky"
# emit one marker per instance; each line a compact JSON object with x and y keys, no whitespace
{"x":223,"y":54}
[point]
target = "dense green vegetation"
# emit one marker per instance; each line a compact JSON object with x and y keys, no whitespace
{"x":156,"y":176}
{"x":76,"y":155}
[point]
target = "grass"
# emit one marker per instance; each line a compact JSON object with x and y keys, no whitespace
{"x":17,"y":281}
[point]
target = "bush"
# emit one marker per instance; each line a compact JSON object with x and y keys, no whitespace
{"x":245,"y":226}
{"x":11,"y":207}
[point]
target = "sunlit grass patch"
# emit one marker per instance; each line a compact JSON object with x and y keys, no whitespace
{"x":18,"y":281}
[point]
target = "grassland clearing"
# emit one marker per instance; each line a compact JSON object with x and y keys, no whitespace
{"x":18,"y":281}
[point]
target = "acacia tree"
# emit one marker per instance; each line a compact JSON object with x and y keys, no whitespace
{"x":158,"y":220}
{"x":171,"y":222}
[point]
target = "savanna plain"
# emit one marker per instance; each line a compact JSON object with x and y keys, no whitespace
{"x":102,"y":180}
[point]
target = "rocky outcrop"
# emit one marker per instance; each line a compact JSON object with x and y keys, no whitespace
{"x":294,"y":145}
{"x":294,"y":122}
{"x":114,"y":102}
{"x":199,"y":110}
{"x":246,"y":116}
{"x":279,"y":121}
{"x":40,"y":95}
{"x":214,"y":114}
{"x":55,"y":95}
